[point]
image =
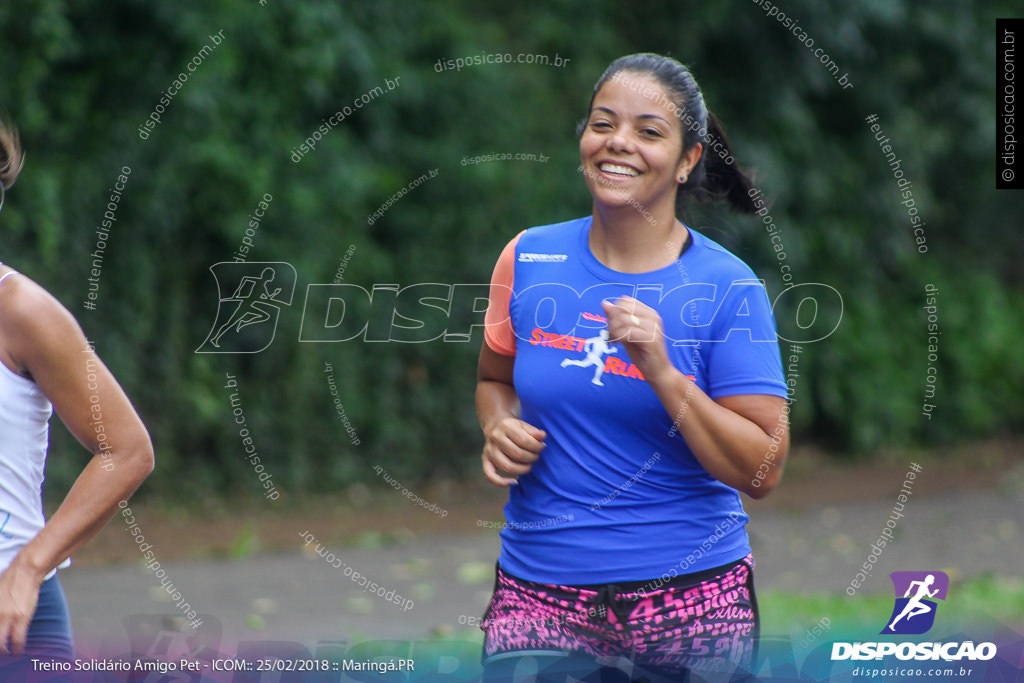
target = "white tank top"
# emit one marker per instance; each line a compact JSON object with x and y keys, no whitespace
{"x":24,"y":436}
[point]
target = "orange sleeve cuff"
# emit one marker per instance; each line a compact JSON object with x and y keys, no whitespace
{"x":498,"y":332}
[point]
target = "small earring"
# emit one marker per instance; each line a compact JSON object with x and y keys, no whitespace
{"x":682,"y":179}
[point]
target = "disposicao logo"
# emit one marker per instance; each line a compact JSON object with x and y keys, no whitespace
{"x":913,"y":614}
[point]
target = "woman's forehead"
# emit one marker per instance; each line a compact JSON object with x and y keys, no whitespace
{"x":641,"y":93}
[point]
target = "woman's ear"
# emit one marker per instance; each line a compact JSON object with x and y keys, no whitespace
{"x":689,"y":160}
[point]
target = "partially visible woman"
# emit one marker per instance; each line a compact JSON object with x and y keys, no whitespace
{"x":46,"y":363}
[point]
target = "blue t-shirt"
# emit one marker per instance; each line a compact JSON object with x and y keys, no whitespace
{"x":616,"y":494}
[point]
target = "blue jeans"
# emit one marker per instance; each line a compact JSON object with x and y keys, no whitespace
{"x":49,"y":634}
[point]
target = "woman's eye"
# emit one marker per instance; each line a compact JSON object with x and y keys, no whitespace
{"x":602,"y":125}
{"x":653,"y":132}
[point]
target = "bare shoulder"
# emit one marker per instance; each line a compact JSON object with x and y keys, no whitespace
{"x":33,"y":320}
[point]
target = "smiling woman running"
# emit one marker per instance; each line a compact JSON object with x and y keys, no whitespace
{"x":630,"y":386}
{"x":46,"y":364}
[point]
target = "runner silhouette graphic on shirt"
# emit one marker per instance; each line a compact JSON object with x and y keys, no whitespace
{"x":915,"y":607}
{"x":594,"y":347}
{"x":252,"y":308}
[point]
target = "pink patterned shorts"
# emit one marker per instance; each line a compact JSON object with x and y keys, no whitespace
{"x":706,"y":621}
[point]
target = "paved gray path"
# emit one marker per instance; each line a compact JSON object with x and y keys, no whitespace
{"x":298,"y":597}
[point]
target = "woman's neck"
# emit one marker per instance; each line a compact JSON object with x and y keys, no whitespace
{"x":630,"y":239}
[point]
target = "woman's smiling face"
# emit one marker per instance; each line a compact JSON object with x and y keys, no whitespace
{"x":631,"y":149}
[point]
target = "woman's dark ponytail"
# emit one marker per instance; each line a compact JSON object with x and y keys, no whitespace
{"x":716,"y":175}
{"x":11,"y":156}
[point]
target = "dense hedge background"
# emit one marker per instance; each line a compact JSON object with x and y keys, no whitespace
{"x":81,"y":78}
